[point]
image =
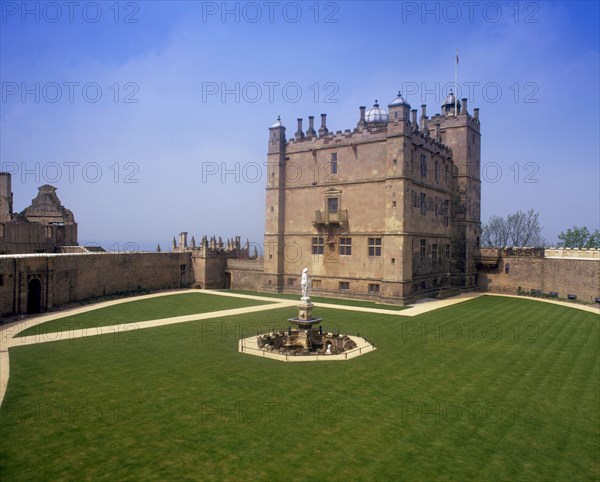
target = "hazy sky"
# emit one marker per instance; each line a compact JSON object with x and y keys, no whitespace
{"x":152,"y":118}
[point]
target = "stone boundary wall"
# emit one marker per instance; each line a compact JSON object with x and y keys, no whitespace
{"x":245,"y":274}
{"x":66,"y":278}
{"x":566,"y":275}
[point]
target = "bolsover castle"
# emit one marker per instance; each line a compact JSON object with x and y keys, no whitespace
{"x":388,"y":210}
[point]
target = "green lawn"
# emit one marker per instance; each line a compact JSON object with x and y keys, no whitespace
{"x":322,"y":299}
{"x":142,"y":310}
{"x":513,"y":395}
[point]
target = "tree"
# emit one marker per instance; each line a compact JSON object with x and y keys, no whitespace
{"x":518,"y":229}
{"x":579,"y":238}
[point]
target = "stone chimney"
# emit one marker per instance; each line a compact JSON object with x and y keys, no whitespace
{"x":323,"y":131}
{"x":424,"y":120}
{"x":463,"y":105}
{"x":362,"y":123}
{"x":299,"y":133}
{"x":311,"y":132}
{"x":183,"y":241}
{"x":413,"y":115}
{"x":476,"y":113}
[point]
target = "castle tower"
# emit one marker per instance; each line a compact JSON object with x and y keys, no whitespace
{"x":6,"y":197}
{"x":275,"y":208}
{"x":461,"y":132}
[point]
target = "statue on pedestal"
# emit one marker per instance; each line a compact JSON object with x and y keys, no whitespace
{"x":304,"y":283}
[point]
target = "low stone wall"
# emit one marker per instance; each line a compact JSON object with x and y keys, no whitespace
{"x":245,"y":274}
{"x":41,"y":282}
{"x":561,"y":275}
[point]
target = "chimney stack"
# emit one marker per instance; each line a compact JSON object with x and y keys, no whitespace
{"x":413,"y":113}
{"x":311,"y":127}
{"x":299,"y":134}
{"x":463,"y":105}
{"x":476,"y":113}
{"x":323,"y":131}
{"x":362,"y":123}
{"x":424,"y":120}
{"x":183,"y":241}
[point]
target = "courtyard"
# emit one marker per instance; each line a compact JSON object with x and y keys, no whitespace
{"x":477,"y":387}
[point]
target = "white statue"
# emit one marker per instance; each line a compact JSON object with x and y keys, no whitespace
{"x":304,"y":283}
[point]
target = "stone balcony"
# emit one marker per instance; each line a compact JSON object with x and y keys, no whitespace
{"x":323,"y":217}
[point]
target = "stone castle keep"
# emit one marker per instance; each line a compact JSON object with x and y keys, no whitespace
{"x":388,"y":211}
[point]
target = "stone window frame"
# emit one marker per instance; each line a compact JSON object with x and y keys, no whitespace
{"x":333,"y":163}
{"x":375,"y":246}
{"x":345,"y":246}
{"x":434,"y":251}
{"x":423,"y":203}
{"x":448,"y":250}
{"x":318,"y":245}
{"x":373,"y":288}
{"x":423,"y":248}
{"x":344,"y":286}
{"x":423,"y":166}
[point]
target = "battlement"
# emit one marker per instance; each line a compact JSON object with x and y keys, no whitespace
{"x":213,"y":246}
{"x":376,"y":124}
{"x":530,"y":252}
{"x":573,"y":253}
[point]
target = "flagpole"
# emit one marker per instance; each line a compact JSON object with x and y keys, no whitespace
{"x":456,"y":84}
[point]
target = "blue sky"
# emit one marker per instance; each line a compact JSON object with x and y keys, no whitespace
{"x":152,"y":118}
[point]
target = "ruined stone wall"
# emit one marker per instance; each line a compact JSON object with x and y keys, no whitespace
{"x":69,"y":278}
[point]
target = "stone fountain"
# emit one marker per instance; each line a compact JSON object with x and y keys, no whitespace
{"x":303,"y":339}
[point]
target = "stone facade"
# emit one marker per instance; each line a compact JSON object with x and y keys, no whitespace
{"x":389,"y":210}
{"x":560,"y":272}
{"x":43,"y":227}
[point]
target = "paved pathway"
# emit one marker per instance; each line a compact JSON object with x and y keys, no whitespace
{"x":8,"y":332}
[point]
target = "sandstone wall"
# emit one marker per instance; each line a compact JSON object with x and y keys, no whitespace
{"x":577,"y":274}
{"x":69,"y":278}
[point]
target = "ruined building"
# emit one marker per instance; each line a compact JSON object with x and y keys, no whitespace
{"x":43,"y":227}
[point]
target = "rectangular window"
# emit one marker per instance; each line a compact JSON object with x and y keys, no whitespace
{"x":332,"y":205}
{"x":448,"y":251}
{"x":1,"y":280}
{"x":447,"y":172}
{"x":334,"y":163}
{"x":393,"y":204}
{"x":374,"y":246}
{"x":344,"y":285}
{"x":423,"y":203}
{"x":290,"y":282}
{"x":446,"y":217}
{"x":437,"y":171}
{"x":374,"y":288}
{"x":345,"y":246}
{"x":423,"y":248}
{"x":317,"y":245}
{"x":423,"y":165}
{"x":316,"y":283}
{"x":182,"y":267}
{"x":506,"y":268}
{"x":434,"y":251}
